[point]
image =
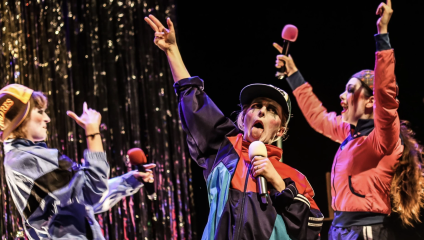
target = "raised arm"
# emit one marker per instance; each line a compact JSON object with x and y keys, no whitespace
{"x":165,"y":39}
{"x":386,"y":119}
{"x":328,"y":124}
{"x":205,"y":125}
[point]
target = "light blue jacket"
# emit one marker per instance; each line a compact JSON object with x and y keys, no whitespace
{"x":58,"y":198}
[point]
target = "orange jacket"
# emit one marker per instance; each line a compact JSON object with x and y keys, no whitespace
{"x":363,"y":168}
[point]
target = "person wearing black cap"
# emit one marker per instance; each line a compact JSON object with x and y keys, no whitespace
{"x":220,"y":147}
{"x":56,"y":197}
{"x":377,"y":169}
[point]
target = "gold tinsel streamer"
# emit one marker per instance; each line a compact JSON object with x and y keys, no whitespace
{"x":102,"y":52}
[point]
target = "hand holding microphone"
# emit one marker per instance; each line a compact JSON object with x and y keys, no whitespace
{"x":139,"y":160}
{"x":258,"y":150}
{"x":289,"y":36}
{"x":263,"y":169}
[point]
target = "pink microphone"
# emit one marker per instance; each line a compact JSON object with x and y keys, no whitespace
{"x":289,"y":35}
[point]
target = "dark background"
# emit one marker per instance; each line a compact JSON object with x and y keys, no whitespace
{"x":229,"y":45}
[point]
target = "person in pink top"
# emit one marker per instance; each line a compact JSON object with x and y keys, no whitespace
{"x":377,"y":168}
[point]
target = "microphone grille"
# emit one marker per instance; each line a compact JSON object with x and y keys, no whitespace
{"x":289,"y":33}
{"x":137,"y":156}
{"x":257,"y":148}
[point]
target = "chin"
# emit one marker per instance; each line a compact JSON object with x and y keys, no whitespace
{"x":345,"y":119}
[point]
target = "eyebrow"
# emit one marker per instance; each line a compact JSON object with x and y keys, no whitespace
{"x":350,"y":84}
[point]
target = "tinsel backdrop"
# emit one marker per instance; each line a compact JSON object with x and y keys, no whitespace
{"x":102,"y":52}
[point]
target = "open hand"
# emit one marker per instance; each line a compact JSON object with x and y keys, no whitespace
{"x":164,"y":38}
{"x":89,"y":120}
{"x":385,"y":11}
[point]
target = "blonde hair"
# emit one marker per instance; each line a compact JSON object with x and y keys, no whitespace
{"x":37,"y":100}
{"x":240,"y":121}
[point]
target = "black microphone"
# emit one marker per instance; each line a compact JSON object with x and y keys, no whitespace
{"x":289,"y":35}
{"x":138,"y":158}
{"x":258,"y":148}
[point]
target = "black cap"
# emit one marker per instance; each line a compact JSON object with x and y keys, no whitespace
{"x":256,"y":90}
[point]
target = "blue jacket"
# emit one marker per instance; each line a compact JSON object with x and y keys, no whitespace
{"x":58,"y":198}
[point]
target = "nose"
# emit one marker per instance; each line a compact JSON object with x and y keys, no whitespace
{"x":262,"y":111}
{"x":46,"y":118}
{"x":343,"y":96}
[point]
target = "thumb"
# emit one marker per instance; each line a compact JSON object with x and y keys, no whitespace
{"x":149,"y":166}
{"x":74,"y":116}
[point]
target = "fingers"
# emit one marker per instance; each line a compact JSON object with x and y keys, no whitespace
{"x":283,"y":57}
{"x":278,"y":47}
{"x":279,"y":63}
{"x":383,"y":7}
{"x":157,"y":23}
{"x":159,"y":34}
{"x":144,"y":174}
{"x":149,"y":166}
{"x":75,"y":117}
{"x":147,"y":176}
{"x":259,"y":169}
{"x":257,"y":158}
{"x":170,"y":24}
{"x":152,"y":24}
{"x":380,"y":9}
{"x":84,"y":107}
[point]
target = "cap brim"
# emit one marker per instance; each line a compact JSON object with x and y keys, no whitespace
{"x":252,"y":91}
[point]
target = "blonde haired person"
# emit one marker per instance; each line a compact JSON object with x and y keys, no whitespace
{"x":221,"y":149}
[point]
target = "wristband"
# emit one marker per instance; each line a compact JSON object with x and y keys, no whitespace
{"x":92,"y":135}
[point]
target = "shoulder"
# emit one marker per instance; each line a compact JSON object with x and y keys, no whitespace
{"x":296,"y":176}
{"x":31,"y":161}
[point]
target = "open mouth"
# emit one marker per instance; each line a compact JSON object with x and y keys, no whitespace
{"x":344,"y":106}
{"x":258,"y":124}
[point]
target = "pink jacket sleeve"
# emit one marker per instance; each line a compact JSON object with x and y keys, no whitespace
{"x":328,"y":124}
{"x":386,"y":119}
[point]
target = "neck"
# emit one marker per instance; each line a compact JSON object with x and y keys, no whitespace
{"x":363,"y":117}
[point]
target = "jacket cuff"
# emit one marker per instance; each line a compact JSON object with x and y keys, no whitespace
{"x":382,"y":42}
{"x":98,"y":161}
{"x":131,"y":180}
{"x":288,"y":194}
{"x":91,"y":157}
{"x":295,"y":80}
{"x":188,"y":82}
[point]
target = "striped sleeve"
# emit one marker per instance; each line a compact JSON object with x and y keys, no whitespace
{"x":302,"y":221}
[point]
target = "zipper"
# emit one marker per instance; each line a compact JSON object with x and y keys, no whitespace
{"x":243,"y":200}
{"x":332,"y":179}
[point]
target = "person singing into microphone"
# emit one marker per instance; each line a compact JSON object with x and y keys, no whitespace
{"x":56,"y":197}
{"x":220,"y":147}
{"x":377,"y":168}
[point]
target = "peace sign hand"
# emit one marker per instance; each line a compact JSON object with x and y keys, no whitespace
{"x":385,"y":11}
{"x":164,"y":38}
